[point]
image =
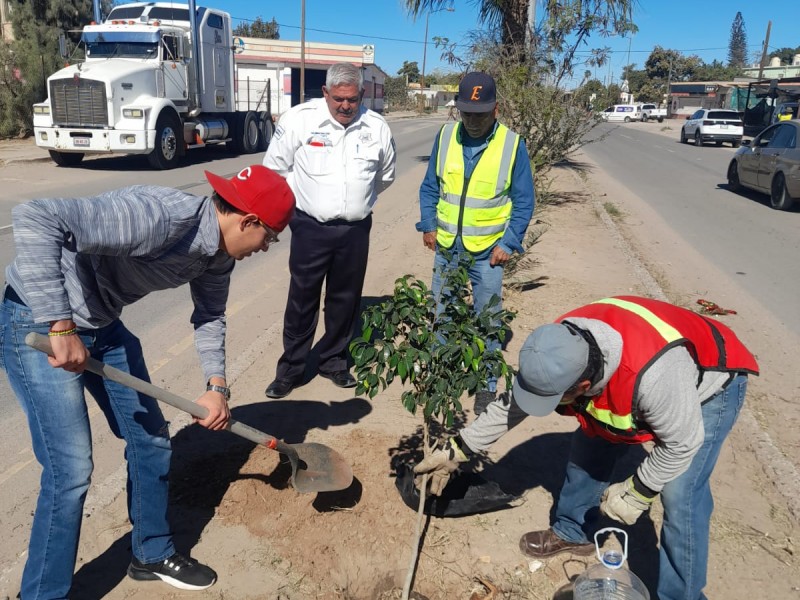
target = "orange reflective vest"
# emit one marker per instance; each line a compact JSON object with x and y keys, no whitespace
{"x":648,"y":329}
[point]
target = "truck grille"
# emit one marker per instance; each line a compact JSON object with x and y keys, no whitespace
{"x":78,"y":102}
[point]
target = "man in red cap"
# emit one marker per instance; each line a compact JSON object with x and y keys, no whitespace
{"x":78,"y":263}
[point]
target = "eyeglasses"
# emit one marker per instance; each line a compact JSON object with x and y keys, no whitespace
{"x":272,"y":237}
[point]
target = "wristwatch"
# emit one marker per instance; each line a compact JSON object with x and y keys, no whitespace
{"x":225,"y":391}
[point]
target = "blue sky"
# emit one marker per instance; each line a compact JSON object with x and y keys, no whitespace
{"x":700,"y":27}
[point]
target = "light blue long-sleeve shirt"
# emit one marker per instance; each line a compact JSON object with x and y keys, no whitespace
{"x":522,"y":195}
{"x":85,"y":259}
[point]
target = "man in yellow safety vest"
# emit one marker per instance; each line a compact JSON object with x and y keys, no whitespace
{"x":476,"y":199}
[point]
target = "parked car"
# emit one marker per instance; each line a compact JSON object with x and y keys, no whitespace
{"x":713,"y":125}
{"x":770,"y":164}
{"x":651,"y":111}
{"x":621,"y":112}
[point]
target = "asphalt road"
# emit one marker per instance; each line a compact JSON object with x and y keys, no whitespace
{"x":739,"y":233}
{"x":161,"y":320}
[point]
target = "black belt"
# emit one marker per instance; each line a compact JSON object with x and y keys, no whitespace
{"x":11,"y":294}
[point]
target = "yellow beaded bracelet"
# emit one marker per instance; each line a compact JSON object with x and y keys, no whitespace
{"x":72,"y":331}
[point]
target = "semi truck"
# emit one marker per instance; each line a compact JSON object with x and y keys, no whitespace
{"x":158,"y":79}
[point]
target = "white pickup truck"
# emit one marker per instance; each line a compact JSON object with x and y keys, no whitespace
{"x":651,"y":111}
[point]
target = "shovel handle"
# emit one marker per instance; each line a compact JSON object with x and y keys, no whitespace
{"x":42,"y":343}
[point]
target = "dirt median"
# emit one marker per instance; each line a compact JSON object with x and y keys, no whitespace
{"x":233,"y":505}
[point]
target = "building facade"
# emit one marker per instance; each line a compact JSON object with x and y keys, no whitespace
{"x":268,"y":72}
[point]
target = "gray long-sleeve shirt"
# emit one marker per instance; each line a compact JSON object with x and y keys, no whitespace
{"x":668,"y":401}
{"x":87,"y":258}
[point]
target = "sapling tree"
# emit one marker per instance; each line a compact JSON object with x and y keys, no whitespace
{"x":441,"y":354}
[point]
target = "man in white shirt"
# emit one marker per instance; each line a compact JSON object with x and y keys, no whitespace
{"x":337,"y":156}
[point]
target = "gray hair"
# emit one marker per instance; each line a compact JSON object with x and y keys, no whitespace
{"x":344,"y":74}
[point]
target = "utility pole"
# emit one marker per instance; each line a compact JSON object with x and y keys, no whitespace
{"x":764,"y":52}
{"x":424,"y":55}
{"x":669,"y":85}
{"x":531,"y":25}
{"x":302,"y":51}
{"x":425,"y":46}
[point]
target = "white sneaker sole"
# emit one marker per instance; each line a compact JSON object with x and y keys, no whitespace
{"x":182,"y":585}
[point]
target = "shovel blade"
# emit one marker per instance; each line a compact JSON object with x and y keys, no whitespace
{"x":319,"y":469}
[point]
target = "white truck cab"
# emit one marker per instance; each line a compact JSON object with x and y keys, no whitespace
{"x":149,"y":85}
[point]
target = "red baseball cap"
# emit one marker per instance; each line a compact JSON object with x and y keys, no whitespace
{"x":260,"y":191}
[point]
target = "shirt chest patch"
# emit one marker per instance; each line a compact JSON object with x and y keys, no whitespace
{"x":365,"y":137}
{"x":319,"y":139}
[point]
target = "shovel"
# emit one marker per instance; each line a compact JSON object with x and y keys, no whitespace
{"x":315,"y":467}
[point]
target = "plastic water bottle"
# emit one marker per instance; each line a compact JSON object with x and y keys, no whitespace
{"x":609,"y":580}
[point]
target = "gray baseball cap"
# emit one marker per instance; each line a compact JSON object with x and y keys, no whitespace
{"x":550,"y":362}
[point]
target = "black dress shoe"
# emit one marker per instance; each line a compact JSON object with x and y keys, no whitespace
{"x":279,"y":388}
{"x":342,"y":378}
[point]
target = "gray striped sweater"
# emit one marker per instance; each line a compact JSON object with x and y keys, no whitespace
{"x":87,"y":258}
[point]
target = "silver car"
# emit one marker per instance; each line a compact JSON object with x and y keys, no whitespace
{"x":770,"y":164}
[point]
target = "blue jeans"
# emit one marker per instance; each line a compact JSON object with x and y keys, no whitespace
{"x":486,"y":280}
{"x":687,"y":501}
{"x":53,"y":401}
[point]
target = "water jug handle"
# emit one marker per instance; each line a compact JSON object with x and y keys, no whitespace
{"x":624,"y":546}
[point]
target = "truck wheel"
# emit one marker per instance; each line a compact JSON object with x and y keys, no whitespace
{"x":660,"y":119}
{"x":644,"y":118}
{"x":244,"y":133}
{"x":627,"y":119}
{"x":683,"y":135}
{"x":167,"y":152}
{"x":250,"y":132}
{"x":66,"y":159}
{"x":266,"y":129}
{"x":698,"y":141}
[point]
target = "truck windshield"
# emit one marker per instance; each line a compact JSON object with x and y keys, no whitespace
{"x":121,"y":50}
{"x":129,"y":44}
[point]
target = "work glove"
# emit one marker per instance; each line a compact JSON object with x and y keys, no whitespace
{"x":442,"y":463}
{"x":623,"y":503}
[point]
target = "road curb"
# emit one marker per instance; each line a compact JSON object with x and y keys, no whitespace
{"x":14,"y":161}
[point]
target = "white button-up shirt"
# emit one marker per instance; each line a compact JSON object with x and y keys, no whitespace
{"x":335,"y":172}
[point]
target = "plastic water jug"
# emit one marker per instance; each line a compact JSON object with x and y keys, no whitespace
{"x":609,"y":580}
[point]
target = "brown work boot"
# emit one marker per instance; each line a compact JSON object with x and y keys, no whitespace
{"x":545,"y":543}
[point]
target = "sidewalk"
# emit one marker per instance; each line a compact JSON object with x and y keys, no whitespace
{"x":26,"y":151}
{"x":21,"y":151}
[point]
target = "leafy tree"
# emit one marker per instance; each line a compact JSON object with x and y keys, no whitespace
{"x":716,"y":71}
{"x":439,"y":77}
{"x":440,"y":357}
{"x":258,"y":28}
{"x":737,"y":47}
{"x":409,"y":70}
{"x":34,"y":55}
{"x":396,"y":93}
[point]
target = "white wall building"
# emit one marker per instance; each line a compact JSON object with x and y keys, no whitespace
{"x":275,"y":65}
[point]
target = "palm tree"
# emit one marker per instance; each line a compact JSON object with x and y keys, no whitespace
{"x":606,"y":16}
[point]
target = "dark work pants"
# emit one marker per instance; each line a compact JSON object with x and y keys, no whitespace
{"x":334,"y":252}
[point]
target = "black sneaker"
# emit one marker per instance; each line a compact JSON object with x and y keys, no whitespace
{"x":179,"y":571}
{"x":483,"y":399}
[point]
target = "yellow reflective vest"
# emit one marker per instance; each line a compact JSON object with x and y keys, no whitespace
{"x":479,"y":208}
